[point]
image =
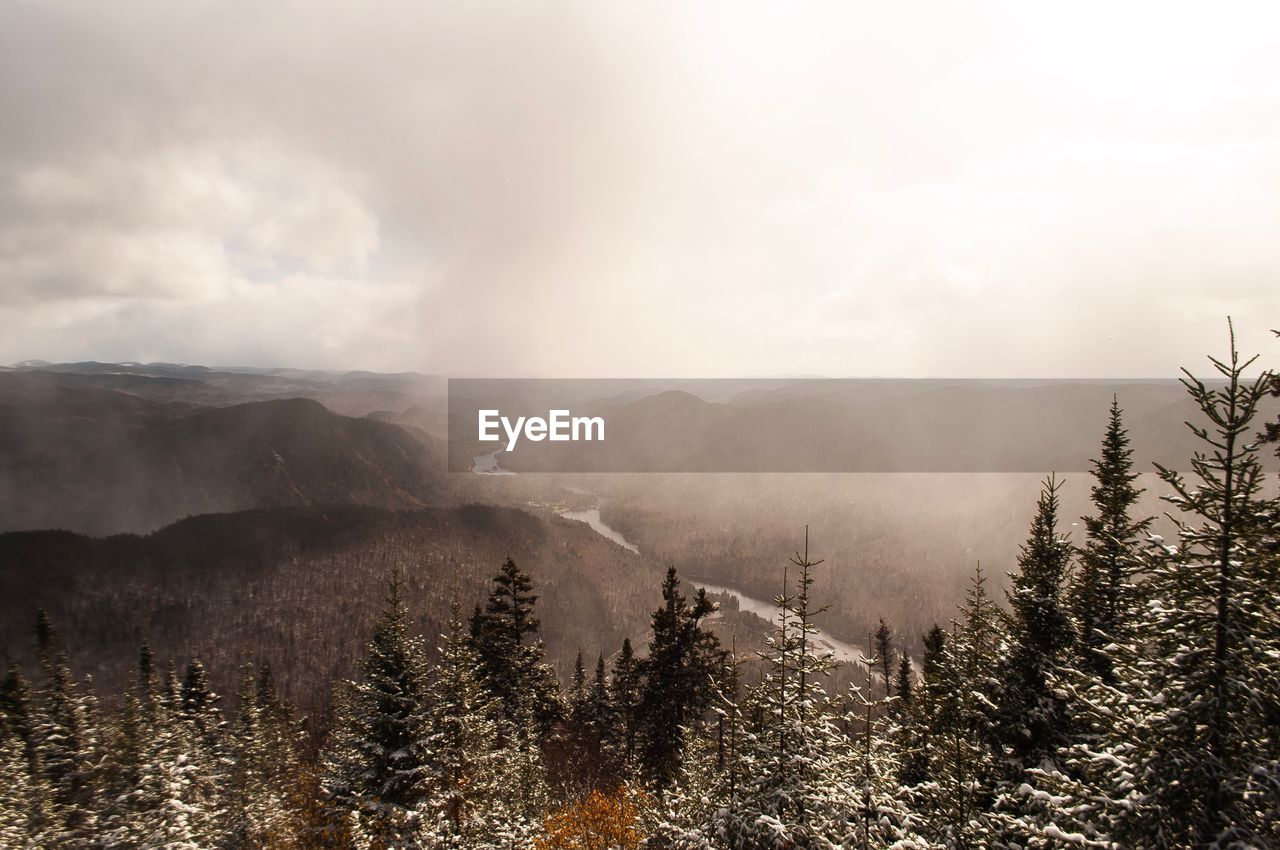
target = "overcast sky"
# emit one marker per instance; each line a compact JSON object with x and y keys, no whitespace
{"x":608,"y":189}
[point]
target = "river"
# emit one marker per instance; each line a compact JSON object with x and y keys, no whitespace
{"x":766,"y":610}
{"x":844,"y":652}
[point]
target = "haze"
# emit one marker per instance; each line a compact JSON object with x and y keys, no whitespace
{"x":710,"y":190}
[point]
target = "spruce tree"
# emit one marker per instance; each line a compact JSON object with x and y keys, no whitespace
{"x":65,"y":742}
{"x":679,"y":678}
{"x":624,"y":704}
{"x":884,"y":655}
{"x":19,"y":824}
{"x":376,"y":765}
{"x":505,"y":635}
{"x":266,"y":810}
{"x":465,"y":766}
{"x":15,"y":711}
{"x":20,"y":792}
{"x":1032,"y":714}
{"x":802,"y":781}
{"x":1103,"y":596}
{"x":1204,"y":757}
{"x":902,"y":684}
{"x":928,"y":701}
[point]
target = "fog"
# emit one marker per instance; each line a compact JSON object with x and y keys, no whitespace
{"x":578,"y":189}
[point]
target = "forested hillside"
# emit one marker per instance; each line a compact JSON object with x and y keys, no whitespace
{"x":276,"y":584}
{"x":1120,"y":693}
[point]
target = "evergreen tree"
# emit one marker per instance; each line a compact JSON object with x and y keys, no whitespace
{"x":465,"y":766}
{"x":958,"y":783}
{"x":526,"y":796}
{"x":624,"y":703}
{"x":679,"y":678}
{"x":916,"y":742}
{"x":800,"y":776}
{"x":171,"y":791}
{"x":1103,"y":595}
{"x":268,"y":813}
{"x":884,"y":655}
{"x":376,"y":766}
{"x":902,"y":684}
{"x":1204,"y":757}
{"x":505,"y":636}
{"x":129,"y":739}
{"x":595,"y":759}
{"x":1031,"y":710}
{"x":19,"y":822}
{"x":20,"y":792}
{"x":65,"y":743}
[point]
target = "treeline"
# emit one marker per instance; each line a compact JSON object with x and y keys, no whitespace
{"x":1125,"y":696}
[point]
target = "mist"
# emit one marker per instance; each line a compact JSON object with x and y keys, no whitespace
{"x":578,"y":190}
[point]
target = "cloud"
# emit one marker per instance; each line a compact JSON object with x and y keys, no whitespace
{"x":586,"y":189}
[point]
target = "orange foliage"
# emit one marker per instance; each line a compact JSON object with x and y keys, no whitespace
{"x":598,"y":821}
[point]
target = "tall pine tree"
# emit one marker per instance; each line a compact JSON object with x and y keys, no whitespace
{"x":679,"y":678}
{"x":1032,"y":713}
{"x":1103,"y":596}
{"x":376,"y":765}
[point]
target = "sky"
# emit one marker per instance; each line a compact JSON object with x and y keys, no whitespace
{"x":641,"y":189}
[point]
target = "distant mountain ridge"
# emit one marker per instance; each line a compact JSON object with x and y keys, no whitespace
{"x":108,"y":453}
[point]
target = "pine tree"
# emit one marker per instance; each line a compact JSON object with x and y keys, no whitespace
{"x":1032,"y":714}
{"x":526,"y":795}
{"x":679,"y":679}
{"x":1204,"y":758}
{"x":1103,"y":595}
{"x":376,"y":766}
{"x":65,"y":742}
{"x":19,"y":823}
{"x":926,"y":721}
{"x":505,"y":636}
{"x":801,"y":779}
{"x":593,"y":748}
{"x":962,"y":769}
{"x":167,"y":775}
{"x":267,"y":811}
{"x":903,"y":682}
{"x":624,"y":703}
{"x":884,"y":655}
{"x":129,"y":739}
{"x":20,"y":811}
{"x":465,"y":766}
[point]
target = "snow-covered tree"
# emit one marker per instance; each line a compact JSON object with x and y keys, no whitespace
{"x":1204,"y":756}
{"x":266,"y":811}
{"x":65,"y":739}
{"x":376,"y":765}
{"x":1103,"y":597}
{"x":800,"y":783}
{"x":465,"y":768}
{"x":954,"y":785}
{"x":505,"y":635}
{"x":21,"y":795}
{"x":1032,"y":713}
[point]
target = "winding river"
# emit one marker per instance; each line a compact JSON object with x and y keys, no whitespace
{"x":766,"y":610}
{"x":487,"y":464}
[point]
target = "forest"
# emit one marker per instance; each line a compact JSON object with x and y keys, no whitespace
{"x":1122,"y":694}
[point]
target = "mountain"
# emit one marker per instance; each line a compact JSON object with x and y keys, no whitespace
{"x":83,"y":457}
